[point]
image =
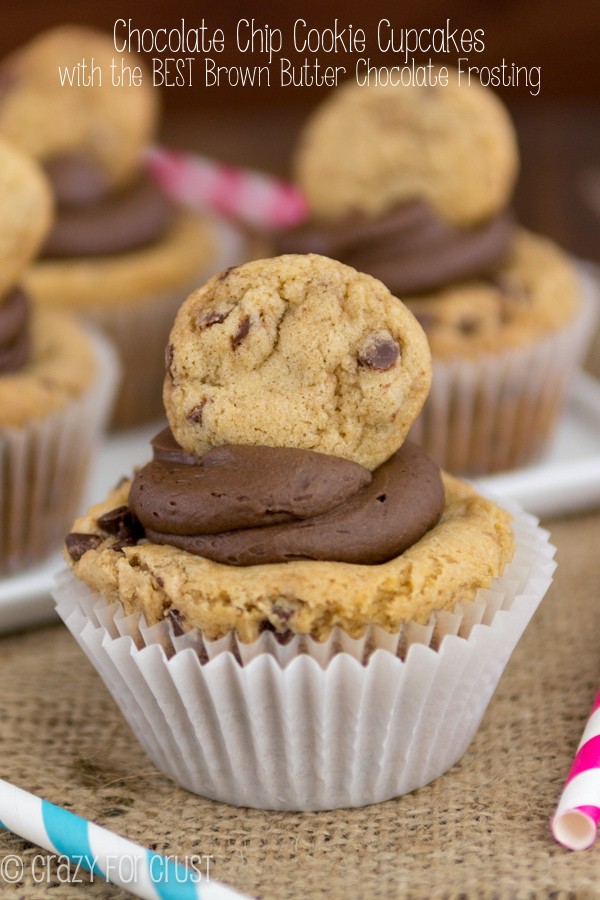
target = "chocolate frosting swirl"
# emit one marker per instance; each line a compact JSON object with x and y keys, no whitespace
{"x":91,"y":221}
{"x":250,"y":505}
{"x":230,"y":487}
{"x":411,"y":249}
{"x":14,"y":331}
{"x":76,"y":180}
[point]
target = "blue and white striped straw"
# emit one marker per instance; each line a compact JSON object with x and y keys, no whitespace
{"x":106,"y":854}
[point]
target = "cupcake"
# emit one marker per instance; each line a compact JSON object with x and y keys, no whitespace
{"x":414,"y":185}
{"x":291,"y":603}
{"x":56,"y":384}
{"x":119,"y":254}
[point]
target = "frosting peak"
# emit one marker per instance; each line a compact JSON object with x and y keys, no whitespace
{"x":93,"y":221}
{"x":247,"y":505}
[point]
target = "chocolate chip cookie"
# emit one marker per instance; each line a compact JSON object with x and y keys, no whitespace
{"x":50,"y":106}
{"x":368,"y":150}
{"x":296,"y":351}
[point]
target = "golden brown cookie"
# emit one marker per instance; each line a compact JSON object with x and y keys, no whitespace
{"x":470,"y":545}
{"x":110,"y":124}
{"x":296,"y":351}
{"x":61,"y":367}
{"x":27,"y":213}
{"x":369,"y":149}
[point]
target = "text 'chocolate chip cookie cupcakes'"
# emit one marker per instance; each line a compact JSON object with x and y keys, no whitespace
{"x":414,"y":186}
{"x":119,"y":254}
{"x":57,"y":381}
{"x":291,"y":603}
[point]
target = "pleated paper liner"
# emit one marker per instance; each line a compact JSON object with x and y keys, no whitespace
{"x":306,"y":725}
{"x":44,"y":466}
{"x":498,"y":412}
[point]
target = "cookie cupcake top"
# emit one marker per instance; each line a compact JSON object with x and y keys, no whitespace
{"x":471,"y":544}
{"x":59,"y":366}
{"x":533,"y":294}
{"x":300,"y":352}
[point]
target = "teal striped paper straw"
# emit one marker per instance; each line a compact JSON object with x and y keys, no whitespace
{"x":106,"y":854}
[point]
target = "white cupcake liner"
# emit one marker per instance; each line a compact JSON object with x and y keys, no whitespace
{"x":497,"y":412}
{"x":309,"y":726}
{"x":44,"y":466}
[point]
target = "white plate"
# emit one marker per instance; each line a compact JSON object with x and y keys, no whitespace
{"x":566,"y":480}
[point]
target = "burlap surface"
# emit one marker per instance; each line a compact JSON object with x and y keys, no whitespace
{"x":479,"y":831}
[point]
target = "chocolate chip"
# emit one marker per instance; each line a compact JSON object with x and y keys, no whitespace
{"x":195,"y":414}
{"x":283,"y":614}
{"x":117,"y":546}
{"x":176,"y":620}
{"x":381,"y":354}
{"x":467,"y":325}
{"x":277,"y":623}
{"x":212,"y":317}
{"x":78,"y":543}
{"x":111,"y":521}
{"x":282,"y":637}
{"x":169,"y":353}
{"x":226,"y":273}
{"x":123,"y":524}
{"x":241,"y":332}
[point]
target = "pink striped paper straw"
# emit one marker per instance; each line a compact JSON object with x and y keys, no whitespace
{"x":246,"y":196}
{"x":575,"y":822}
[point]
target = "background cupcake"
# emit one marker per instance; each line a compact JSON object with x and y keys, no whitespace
{"x":56,"y":384}
{"x":414,"y":185}
{"x":293,"y":606}
{"x":119,"y":254}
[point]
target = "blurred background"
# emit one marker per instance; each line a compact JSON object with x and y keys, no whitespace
{"x":559,"y":129}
